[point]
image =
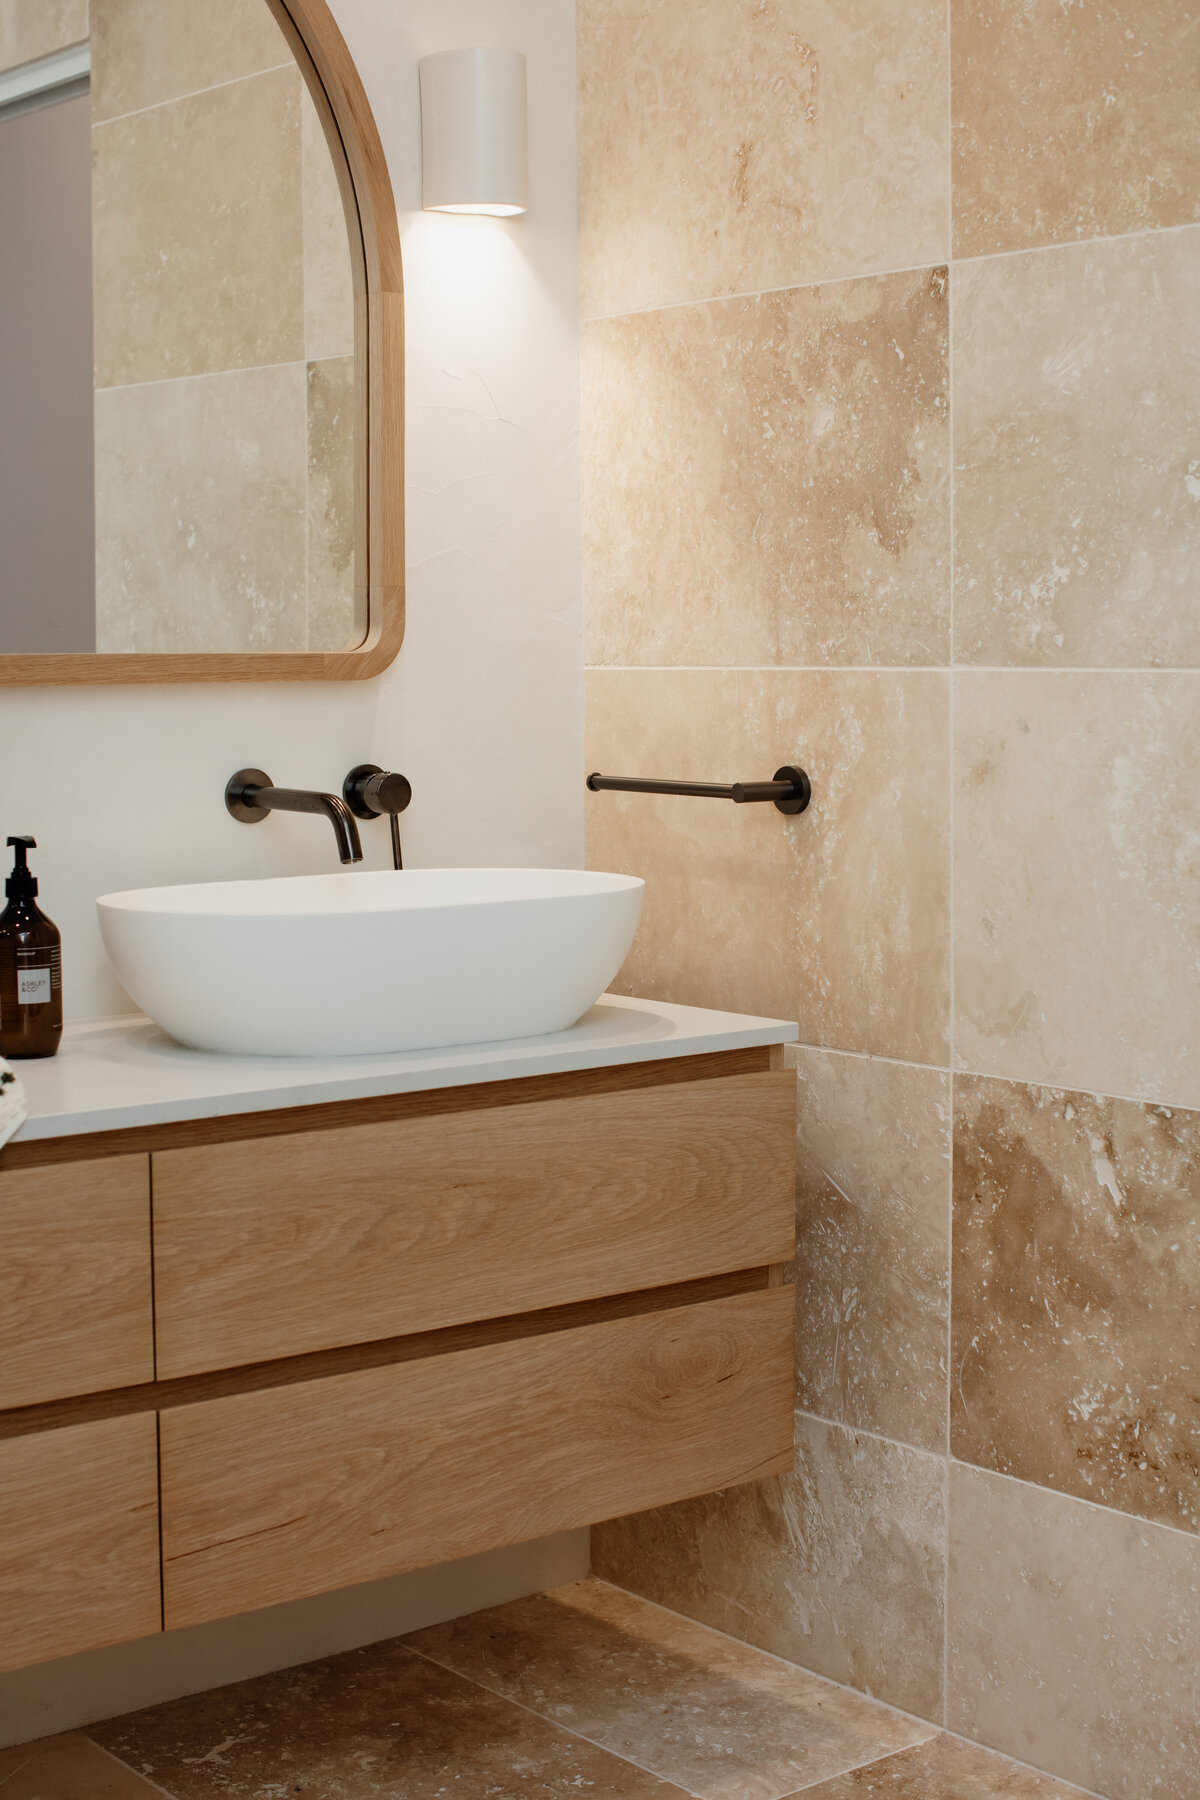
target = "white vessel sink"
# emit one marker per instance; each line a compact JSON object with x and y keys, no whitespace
{"x":319,"y":965}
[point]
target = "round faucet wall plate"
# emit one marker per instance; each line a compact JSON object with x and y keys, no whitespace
{"x":235,"y":795}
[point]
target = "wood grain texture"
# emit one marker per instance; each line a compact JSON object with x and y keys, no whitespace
{"x":277,"y":1247}
{"x":358,"y":156}
{"x":268,"y":1497}
{"x":287,"y":1371}
{"x":36,"y":1153}
{"x":78,"y":1540}
{"x":75,"y":1286}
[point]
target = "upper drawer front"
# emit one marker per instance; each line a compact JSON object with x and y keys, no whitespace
{"x":289,"y":1491}
{"x":75,"y":1310}
{"x":276,"y":1246}
{"x":78,"y":1539}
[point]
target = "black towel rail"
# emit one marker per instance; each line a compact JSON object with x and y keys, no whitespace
{"x":790,"y":789}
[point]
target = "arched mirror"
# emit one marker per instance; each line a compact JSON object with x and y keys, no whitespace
{"x":200,"y":347}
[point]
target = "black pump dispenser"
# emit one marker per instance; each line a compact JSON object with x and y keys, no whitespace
{"x":22,"y":883}
{"x":30,"y":965}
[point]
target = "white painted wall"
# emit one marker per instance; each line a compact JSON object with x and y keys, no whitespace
{"x":483,"y":709}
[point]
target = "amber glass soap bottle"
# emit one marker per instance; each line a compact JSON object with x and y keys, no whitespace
{"x":30,"y":966}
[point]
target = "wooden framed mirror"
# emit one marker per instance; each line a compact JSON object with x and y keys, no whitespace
{"x":201,"y":345}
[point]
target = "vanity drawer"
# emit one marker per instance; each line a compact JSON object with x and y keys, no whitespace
{"x":272,"y":1495}
{"x":75,"y":1307}
{"x":278,"y":1246}
{"x":78,"y":1539}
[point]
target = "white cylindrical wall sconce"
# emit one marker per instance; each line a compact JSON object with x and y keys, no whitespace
{"x":473,"y":152}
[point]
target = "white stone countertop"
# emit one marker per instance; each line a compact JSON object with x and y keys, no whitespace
{"x":118,"y":1073}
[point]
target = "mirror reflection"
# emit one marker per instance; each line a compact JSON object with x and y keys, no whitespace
{"x":179,"y":392}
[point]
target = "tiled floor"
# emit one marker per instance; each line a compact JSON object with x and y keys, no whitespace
{"x":585,"y":1691}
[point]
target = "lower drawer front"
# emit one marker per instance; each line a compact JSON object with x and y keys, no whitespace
{"x":294,"y":1490}
{"x":78,"y":1539}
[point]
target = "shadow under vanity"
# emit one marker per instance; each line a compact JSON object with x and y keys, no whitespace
{"x":271,"y":1328}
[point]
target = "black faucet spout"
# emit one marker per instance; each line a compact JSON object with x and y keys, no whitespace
{"x":250,"y":795}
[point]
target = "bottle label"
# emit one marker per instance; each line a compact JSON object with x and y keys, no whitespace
{"x":33,"y":987}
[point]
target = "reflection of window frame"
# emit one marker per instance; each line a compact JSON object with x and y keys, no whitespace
{"x":60,"y":76}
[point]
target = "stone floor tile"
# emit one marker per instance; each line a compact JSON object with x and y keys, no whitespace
{"x":70,"y":1767}
{"x":374,"y":1724}
{"x":942,"y":1769}
{"x":724,"y":1721}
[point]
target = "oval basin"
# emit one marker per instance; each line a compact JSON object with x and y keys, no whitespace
{"x":321,"y":965}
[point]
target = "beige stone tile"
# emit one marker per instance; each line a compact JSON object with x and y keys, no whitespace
{"x":33,"y":28}
{"x":719,"y":1718}
{"x":200,"y":513}
{"x":1072,"y":121}
{"x":1074,"y":1638}
{"x":754,"y":144}
{"x":198,"y":262}
{"x":837,"y":917}
{"x":1076,"y":1278}
{"x":839,"y":1566}
{"x":765,"y":480}
{"x":374,"y":1724}
{"x":943,"y":1769}
{"x":70,"y":1768}
{"x":873,"y":1245}
{"x":1077,"y":881}
{"x":328,"y":271}
{"x":337,"y":610}
{"x":147,"y":51}
{"x":1077,"y":468}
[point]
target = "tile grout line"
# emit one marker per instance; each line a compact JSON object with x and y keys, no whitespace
{"x":291,"y":362}
{"x":934,"y":1730}
{"x":879,"y":1437}
{"x":579,"y":1736}
{"x":13,"y":1773}
{"x":672,"y":1780}
{"x":881,"y":274}
{"x":950,"y":732}
{"x":943,"y":668}
{"x":957,"y":1462}
{"x":949,"y":1252}
{"x":894,"y":1062}
{"x":122,"y":1764}
{"x":1052,"y":1087}
{"x":1083,"y":243}
{"x":215,"y":87}
{"x":783,"y":287}
{"x":1138,"y":1520}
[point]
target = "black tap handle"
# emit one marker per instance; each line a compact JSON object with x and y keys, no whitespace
{"x":370,"y":791}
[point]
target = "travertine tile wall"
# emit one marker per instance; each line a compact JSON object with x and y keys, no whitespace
{"x":30,"y":29}
{"x":892,"y":468}
{"x":224,"y":339}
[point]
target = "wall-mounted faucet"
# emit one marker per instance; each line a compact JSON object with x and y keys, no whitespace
{"x":250,"y":796}
{"x":370,"y":791}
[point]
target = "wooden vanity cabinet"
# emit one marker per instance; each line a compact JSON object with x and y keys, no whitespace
{"x":389,"y":1333}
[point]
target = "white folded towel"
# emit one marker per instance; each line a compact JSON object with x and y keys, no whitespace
{"x":14,"y":1108}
